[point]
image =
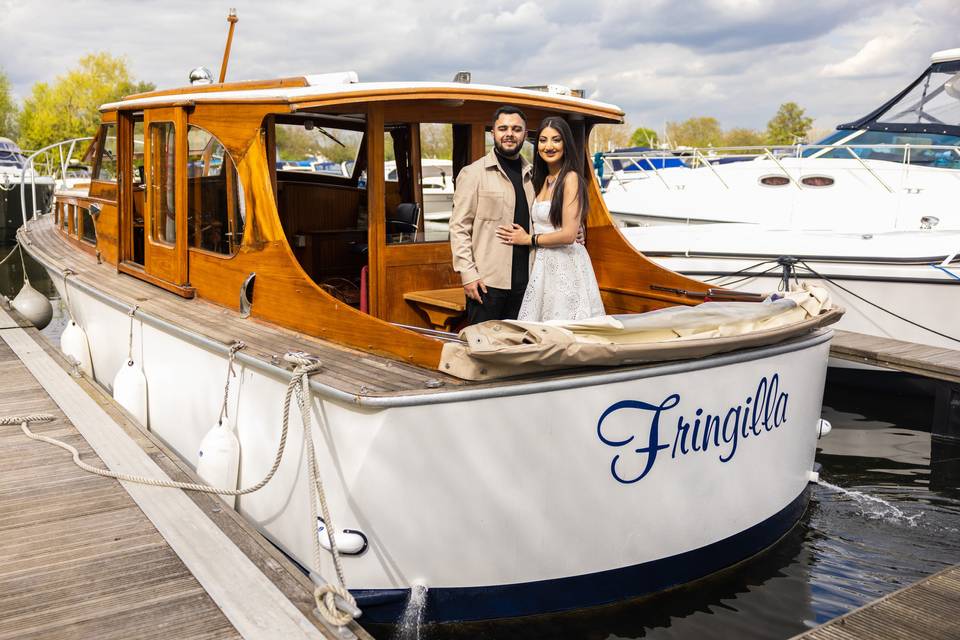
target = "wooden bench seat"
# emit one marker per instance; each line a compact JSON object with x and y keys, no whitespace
{"x":444,"y":307}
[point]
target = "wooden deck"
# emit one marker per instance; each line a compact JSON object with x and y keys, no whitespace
{"x":349,"y":370}
{"x":909,"y":357}
{"x":82,"y":556}
{"x":926,"y":609}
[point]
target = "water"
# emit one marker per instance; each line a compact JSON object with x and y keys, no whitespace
{"x":886,"y":514}
{"x":410,"y":624}
{"x":11,"y":280}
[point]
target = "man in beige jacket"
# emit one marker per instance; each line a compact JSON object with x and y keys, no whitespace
{"x":495,"y":190}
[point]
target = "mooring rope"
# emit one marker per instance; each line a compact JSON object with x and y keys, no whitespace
{"x":16,"y":246}
{"x":133,"y":311}
{"x":325,"y":595}
{"x":875,"y":305}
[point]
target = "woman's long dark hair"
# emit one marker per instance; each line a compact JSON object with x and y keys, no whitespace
{"x":572,"y":161}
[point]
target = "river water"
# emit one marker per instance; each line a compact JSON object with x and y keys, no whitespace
{"x":887,"y":514}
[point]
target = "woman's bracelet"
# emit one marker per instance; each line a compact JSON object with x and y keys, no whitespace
{"x":534,"y":240}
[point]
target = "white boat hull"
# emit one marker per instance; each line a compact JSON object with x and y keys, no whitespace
{"x":508,"y":501}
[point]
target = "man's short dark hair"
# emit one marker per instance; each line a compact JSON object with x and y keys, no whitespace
{"x":509,"y":109}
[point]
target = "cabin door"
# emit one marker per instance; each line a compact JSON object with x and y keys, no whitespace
{"x":165,"y":222}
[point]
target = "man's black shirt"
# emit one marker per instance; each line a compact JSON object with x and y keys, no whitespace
{"x":520,"y":272}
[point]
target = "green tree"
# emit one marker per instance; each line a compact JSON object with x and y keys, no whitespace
{"x":695,"y":132}
{"x":69,"y":108}
{"x":8,"y":109}
{"x":643,"y":137}
{"x":789,"y":125}
{"x":742,"y":137}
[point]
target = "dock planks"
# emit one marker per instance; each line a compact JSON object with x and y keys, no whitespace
{"x":926,"y":609}
{"x":79,"y":558}
{"x":909,"y":357}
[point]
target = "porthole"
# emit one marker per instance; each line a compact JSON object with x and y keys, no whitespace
{"x":775,"y":181}
{"x":817,"y":181}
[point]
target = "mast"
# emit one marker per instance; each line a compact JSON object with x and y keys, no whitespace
{"x":232,"y":19}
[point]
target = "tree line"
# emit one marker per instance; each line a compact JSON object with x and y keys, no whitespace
{"x":788,"y":126}
{"x":69,"y":106}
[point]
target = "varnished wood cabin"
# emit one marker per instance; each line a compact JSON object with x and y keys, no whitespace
{"x":186,"y":194}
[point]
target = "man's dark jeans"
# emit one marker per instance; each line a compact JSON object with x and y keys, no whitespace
{"x":498,"y":304}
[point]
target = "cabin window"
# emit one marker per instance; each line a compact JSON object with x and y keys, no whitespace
{"x":216,"y":211}
{"x":310,"y":147}
{"x":107,"y":155}
{"x":89,"y":231}
{"x":419,"y":182}
{"x":163,"y":180}
{"x":321,"y":196}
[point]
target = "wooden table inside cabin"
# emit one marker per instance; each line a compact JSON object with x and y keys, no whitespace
{"x":444,"y":307}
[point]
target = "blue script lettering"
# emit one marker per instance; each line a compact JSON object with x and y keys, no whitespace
{"x":653,"y":442}
{"x":762,"y":413}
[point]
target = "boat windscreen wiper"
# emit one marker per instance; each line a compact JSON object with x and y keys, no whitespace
{"x":331,"y":136}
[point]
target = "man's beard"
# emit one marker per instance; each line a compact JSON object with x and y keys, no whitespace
{"x":504,"y":152}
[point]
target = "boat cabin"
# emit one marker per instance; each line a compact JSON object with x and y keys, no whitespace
{"x":194,"y":191}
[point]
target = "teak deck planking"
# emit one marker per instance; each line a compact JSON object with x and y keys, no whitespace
{"x":909,"y":357}
{"x":926,"y":609}
{"x":79,"y":558}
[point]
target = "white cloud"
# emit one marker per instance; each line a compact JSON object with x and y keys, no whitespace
{"x":660,"y":60}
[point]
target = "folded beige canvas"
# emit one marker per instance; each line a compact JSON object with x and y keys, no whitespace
{"x":501,"y":348}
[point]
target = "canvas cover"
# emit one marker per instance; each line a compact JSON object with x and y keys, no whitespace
{"x":503,"y":348}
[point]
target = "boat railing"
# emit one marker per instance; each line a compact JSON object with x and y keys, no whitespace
{"x":622,"y":167}
{"x":53,"y":159}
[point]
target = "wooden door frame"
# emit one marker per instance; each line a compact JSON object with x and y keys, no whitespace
{"x":164,"y":266}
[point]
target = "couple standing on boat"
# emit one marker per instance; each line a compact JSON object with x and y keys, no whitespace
{"x":496,"y":200}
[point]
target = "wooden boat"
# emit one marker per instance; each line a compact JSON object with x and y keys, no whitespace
{"x":504,"y":497}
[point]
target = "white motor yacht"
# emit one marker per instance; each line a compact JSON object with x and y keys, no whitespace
{"x":898,"y":167}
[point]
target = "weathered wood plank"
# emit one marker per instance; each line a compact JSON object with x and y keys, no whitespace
{"x":909,"y":357}
{"x":79,"y":559}
{"x":251,"y":602}
{"x":926,"y":609}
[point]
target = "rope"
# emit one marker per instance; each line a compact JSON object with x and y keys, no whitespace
{"x":875,"y":305}
{"x":935,"y":266}
{"x":133,"y":310}
{"x":736,"y":273}
{"x":23,"y":264}
{"x":15,"y":247}
{"x":325,"y":595}
{"x":66,"y":291}
{"x":232,"y":354}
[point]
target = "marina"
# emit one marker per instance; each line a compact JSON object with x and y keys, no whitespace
{"x":277,"y":324}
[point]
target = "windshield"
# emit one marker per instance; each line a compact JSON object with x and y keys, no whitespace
{"x":935,"y":100}
{"x":872,"y":145}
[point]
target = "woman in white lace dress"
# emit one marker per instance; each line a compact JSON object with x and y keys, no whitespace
{"x":562,"y":284}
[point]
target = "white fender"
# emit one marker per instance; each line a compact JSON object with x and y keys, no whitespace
{"x":33,"y":306}
{"x":218,"y":462}
{"x":130,"y":390}
{"x":73,"y":343}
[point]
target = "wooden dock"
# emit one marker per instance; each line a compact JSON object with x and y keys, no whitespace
{"x":909,"y":357}
{"x":926,"y":609}
{"x":83,"y":556}
{"x":940,"y":365}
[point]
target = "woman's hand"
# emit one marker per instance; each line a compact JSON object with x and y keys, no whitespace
{"x":514,"y":234}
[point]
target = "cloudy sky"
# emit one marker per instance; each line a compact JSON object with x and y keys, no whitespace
{"x":659,"y":60}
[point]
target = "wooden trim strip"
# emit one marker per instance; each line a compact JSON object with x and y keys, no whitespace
{"x":185,"y":291}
